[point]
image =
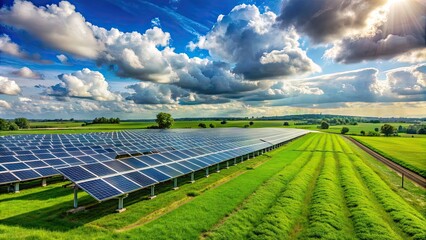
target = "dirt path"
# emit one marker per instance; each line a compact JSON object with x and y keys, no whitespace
{"x":396,"y":167}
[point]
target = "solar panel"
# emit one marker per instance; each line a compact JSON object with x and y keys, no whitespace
{"x":99,"y":189}
{"x":140,"y":179}
{"x":87,"y":158}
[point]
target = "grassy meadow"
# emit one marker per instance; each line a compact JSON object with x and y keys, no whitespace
{"x":318,"y":186}
{"x":406,"y":151}
{"x":76,"y":127}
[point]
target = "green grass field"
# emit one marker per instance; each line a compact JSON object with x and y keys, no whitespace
{"x":408,"y":152}
{"x":319,"y":186}
{"x":75,"y":127}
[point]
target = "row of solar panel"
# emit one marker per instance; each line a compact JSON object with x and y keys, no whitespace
{"x":32,"y":167}
{"x":43,"y":161}
{"x":22,"y":148}
{"x":102,"y":183}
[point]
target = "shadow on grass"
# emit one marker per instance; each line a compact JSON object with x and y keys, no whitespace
{"x":41,"y":195}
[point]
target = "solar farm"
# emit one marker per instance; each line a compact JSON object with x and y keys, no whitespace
{"x":112,"y":165}
{"x":230,"y":183}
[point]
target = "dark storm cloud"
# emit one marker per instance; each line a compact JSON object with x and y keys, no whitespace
{"x":402,"y":31}
{"x":326,"y":20}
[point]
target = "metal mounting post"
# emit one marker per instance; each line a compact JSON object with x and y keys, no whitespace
{"x":43,"y":182}
{"x":152,"y":195}
{"x":218,"y":168}
{"x":192,"y":177}
{"x":175,"y":184}
{"x":121,"y":208}
{"x":75,"y":197}
{"x":16,"y":188}
{"x":207,"y":171}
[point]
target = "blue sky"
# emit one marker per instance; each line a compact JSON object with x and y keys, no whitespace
{"x":132,"y":59}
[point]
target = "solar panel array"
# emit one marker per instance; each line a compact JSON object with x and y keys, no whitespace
{"x":89,"y":160}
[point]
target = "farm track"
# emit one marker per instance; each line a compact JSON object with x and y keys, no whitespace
{"x":398,"y":168}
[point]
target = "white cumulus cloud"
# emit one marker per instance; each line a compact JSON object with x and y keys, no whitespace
{"x":26,"y":72}
{"x":83,"y":84}
{"x":9,"y":87}
{"x":256,"y":45}
{"x":57,"y":25}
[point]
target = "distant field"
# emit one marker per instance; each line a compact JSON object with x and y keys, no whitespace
{"x":319,"y":186}
{"x":75,"y":127}
{"x":408,"y":152}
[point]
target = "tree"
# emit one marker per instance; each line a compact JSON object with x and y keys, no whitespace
{"x":22,"y":122}
{"x":212,"y":125}
{"x":164,"y":120}
{"x":362,"y":132}
{"x":324,"y":125}
{"x":13,"y":126}
{"x":202,"y":125}
{"x":246,"y":126}
{"x":223,"y":122}
{"x":4,"y":125}
{"x":286,"y":124}
{"x":376,"y":129}
{"x":422,"y":131}
{"x":251,"y":123}
{"x":344,"y":130}
{"x":387,"y":129}
{"x":401,"y":129}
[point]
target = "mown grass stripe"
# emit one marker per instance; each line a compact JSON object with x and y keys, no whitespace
{"x":240,"y":223}
{"x":312,"y":138}
{"x":280,"y":219}
{"x":406,"y":217}
{"x":326,"y":218}
{"x":366,"y":217}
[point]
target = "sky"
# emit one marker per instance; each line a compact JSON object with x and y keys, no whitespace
{"x":193,"y":58}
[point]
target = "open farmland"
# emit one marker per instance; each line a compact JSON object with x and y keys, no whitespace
{"x":407,"y":152}
{"x":319,"y":186}
{"x":76,"y":127}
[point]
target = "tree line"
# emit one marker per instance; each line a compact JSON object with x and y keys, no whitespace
{"x":13,"y":125}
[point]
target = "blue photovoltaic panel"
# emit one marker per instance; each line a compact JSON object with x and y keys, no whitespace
{"x":15,"y":166}
{"x":135,"y":163}
{"x":140,"y":179}
{"x":54,"y":162}
{"x":8,"y":159}
{"x":122,"y":183}
{"x":199,"y":163}
{"x":189,"y":165}
{"x":99,"y":169}
{"x":156,"y":175}
{"x":160,"y":158}
{"x":99,"y":189}
{"x":171,"y":156}
{"x":7,"y":177}
{"x":36,"y":164}
{"x":169,"y":171}
{"x":183,"y":151}
{"x":48,"y":171}
{"x":27,"y":174}
{"x":76,"y":173}
{"x":27,"y":157}
{"x":180,"y":168}
{"x":118,"y":166}
{"x":147,"y":160}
